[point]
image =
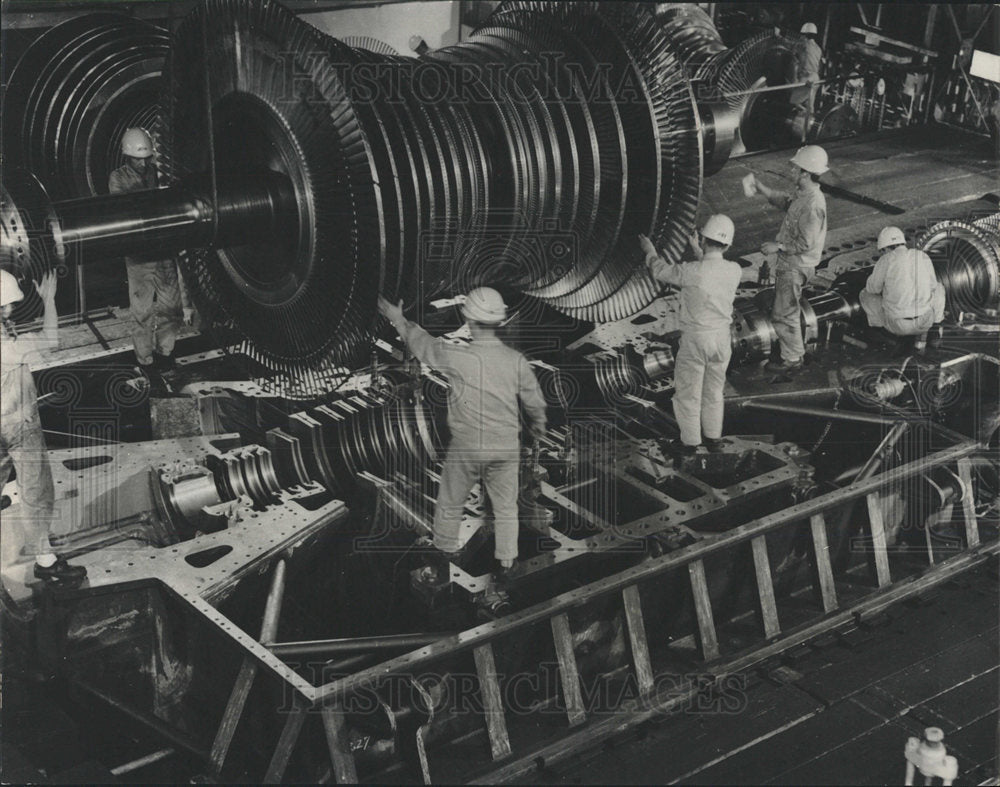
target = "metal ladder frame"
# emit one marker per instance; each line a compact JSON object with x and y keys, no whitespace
{"x":330,"y":700}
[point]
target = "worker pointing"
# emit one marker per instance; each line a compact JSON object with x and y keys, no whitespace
{"x":798,"y":246}
{"x":708,"y":288}
{"x":488,"y":380}
{"x":903,"y":294}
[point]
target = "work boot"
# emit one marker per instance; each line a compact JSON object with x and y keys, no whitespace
{"x":903,"y":348}
{"x":150,"y":380}
{"x":145,"y":372}
{"x":504,"y":575}
{"x":716,"y":445}
{"x":164,"y":363}
{"x":783,"y":366}
{"x":439,"y":566}
{"x":59,"y":572}
{"x":678,"y":448}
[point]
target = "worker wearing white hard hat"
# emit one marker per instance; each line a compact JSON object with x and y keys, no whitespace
{"x":157,"y":298}
{"x":807,"y":58}
{"x":27,"y":526}
{"x":489,"y":383}
{"x":708,"y":288}
{"x":797,"y":248}
{"x":903,"y":294}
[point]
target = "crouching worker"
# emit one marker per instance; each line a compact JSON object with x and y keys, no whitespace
{"x":903,"y":294}
{"x":708,"y":288}
{"x":488,"y":380}
{"x":22,"y":445}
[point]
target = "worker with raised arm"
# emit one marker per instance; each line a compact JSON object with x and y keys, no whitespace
{"x":903,"y":294}
{"x":22,"y":445}
{"x":489,"y":383}
{"x":797,"y":248}
{"x":708,"y":288}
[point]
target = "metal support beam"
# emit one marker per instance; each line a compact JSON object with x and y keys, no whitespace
{"x":932,"y":12}
{"x":331,"y":647}
{"x":820,"y":412}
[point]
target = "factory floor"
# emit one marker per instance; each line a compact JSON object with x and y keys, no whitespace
{"x":838,"y":711}
{"x":928,"y":172}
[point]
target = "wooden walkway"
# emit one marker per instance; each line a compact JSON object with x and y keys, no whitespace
{"x":838,"y":711}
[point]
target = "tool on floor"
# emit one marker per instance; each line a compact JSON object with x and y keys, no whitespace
{"x":930,"y":757}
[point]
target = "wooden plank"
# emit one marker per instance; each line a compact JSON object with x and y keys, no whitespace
{"x":765,"y":711}
{"x":968,"y":504}
{"x":569,"y":676}
{"x":637,"y":638}
{"x":703,"y":610}
{"x":496,"y":724}
{"x":341,"y":758}
{"x":231,"y":716}
{"x":933,"y":518}
{"x":286,"y":745}
{"x":859,"y":747}
{"x":488,"y":632}
{"x":975,"y":746}
{"x":959,"y":705}
{"x":827,"y":587}
{"x":425,"y":766}
{"x":765,"y":588}
{"x":272,"y":606}
{"x":671,"y":696}
{"x":882,"y":575}
{"x":932,"y":677}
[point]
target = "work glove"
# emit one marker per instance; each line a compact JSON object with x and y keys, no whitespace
{"x":647,"y":246}
{"x":695,"y":243}
{"x":392,"y":312}
{"x":46,"y":289}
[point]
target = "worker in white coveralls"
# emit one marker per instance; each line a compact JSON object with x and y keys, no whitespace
{"x":708,"y":288}
{"x":808,"y":57}
{"x":157,"y":298}
{"x":22,"y":445}
{"x":798,"y":246}
{"x":903,"y":294}
{"x":488,"y":380}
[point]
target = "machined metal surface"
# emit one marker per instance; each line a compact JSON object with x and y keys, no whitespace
{"x":488,"y":162}
{"x":966,"y":258}
{"x":74,"y":92}
{"x":724,"y":80}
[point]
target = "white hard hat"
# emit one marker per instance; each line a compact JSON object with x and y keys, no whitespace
{"x":720,"y":229}
{"x":809,"y":27}
{"x":484,"y":305}
{"x":890,"y":236}
{"x":811,"y":158}
{"x":137,"y":143}
{"x":10,"y":292}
